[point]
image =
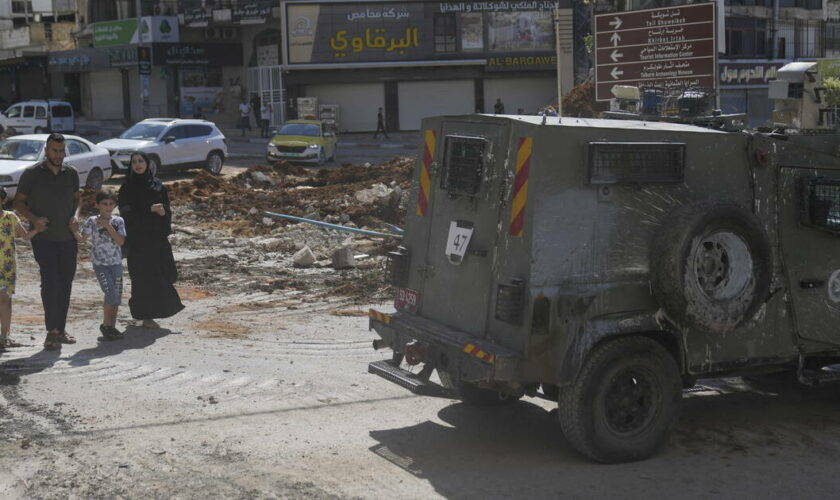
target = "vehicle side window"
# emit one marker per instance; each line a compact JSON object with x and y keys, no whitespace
{"x":14,"y":112}
{"x":463,"y":165}
{"x":178,"y":132}
{"x":821,"y":204}
{"x":40,"y":112}
{"x":28,"y":111}
{"x":198,"y":130}
{"x":62,"y":111}
{"x":76,"y":147}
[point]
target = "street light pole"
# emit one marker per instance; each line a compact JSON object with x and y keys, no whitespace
{"x":557,"y":56}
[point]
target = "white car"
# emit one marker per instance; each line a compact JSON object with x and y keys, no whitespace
{"x":22,"y":151}
{"x":38,"y":116}
{"x":170,"y":142}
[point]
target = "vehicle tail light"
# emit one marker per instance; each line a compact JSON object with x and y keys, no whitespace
{"x":510,"y":300}
{"x":397,"y":267}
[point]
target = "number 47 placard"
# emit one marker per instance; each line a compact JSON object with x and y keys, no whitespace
{"x":458,"y":241}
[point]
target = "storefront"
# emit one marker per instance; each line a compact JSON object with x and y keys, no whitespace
{"x":418,"y":59}
{"x":23,"y":78}
{"x":743,"y":89}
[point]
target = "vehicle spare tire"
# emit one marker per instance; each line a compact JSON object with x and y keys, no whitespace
{"x":710,"y":266}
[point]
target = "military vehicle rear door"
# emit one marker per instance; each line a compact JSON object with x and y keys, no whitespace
{"x":810,"y":242}
{"x":464,"y":206}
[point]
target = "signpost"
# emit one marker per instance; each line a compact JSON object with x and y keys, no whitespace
{"x":670,"y":47}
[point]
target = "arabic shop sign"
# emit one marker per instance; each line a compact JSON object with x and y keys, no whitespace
{"x":251,"y":12}
{"x":79,"y":60}
{"x":748,"y":73}
{"x":213,"y":54}
{"x":335,"y":33}
{"x":111,"y":33}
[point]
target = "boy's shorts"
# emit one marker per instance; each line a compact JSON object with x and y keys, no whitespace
{"x":110,"y":281}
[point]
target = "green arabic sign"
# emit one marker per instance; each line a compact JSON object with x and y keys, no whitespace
{"x":115,"y":32}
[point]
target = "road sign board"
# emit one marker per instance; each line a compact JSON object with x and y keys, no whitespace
{"x":670,"y":47}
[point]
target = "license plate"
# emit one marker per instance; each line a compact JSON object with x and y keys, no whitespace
{"x":291,"y":154}
{"x":406,"y":300}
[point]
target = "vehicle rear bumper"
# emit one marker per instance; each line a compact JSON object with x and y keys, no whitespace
{"x":453,"y":351}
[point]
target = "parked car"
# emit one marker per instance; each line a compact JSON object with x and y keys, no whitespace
{"x":38,"y":116}
{"x":22,"y":151}
{"x":306,"y":141}
{"x":171,"y":142}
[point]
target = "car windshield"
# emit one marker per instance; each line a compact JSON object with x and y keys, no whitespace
{"x":17,"y":149}
{"x":306,"y":129}
{"x":143,"y":131}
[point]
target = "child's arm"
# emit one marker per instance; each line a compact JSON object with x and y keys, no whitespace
{"x":22,"y":232}
{"x":117,"y":237}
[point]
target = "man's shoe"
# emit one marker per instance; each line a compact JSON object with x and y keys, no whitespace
{"x":53,"y":341}
{"x":65,"y":338}
{"x":150,"y":323}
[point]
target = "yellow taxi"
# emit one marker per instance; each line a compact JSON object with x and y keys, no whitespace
{"x":305,"y":141}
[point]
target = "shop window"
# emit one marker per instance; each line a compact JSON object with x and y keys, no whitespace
{"x":445,"y":33}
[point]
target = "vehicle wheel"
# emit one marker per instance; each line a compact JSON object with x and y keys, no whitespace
{"x":322,"y":157}
{"x":711,"y":267}
{"x":624,"y":401}
{"x":215,"y":162}
{"x":154,"y":164}
{"x":475,"y":396}
{"x":94,"y":179}
{"x":2,"y":129}
{"x":39,"y":130}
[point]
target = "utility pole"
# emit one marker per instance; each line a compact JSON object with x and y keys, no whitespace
{"x":144,"y":79}
{"x":557,"y":56}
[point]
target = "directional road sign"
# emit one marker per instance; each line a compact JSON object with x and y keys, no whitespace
{"x":671,"y":47}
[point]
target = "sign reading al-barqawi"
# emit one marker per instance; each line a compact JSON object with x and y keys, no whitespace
{"x":335,"y":33}
{"x":127,"y":31}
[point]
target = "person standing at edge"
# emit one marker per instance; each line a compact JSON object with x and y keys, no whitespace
{"x":265,"y":118}
{"x":244,"y":117}
{"x":499,"y":107}
{"x":144,"y":206}
{"x":48,"y":196}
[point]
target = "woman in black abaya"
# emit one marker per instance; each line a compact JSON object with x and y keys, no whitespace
{"x":144,"y":205}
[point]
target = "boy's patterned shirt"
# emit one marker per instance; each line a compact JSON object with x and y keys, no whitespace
{"x":104,"y":251}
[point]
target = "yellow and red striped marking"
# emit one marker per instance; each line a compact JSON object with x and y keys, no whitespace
{"x":378,"y":316}
{"x":425,"y":172}
{"x":520,"y":186}
{"x":473,"y":350}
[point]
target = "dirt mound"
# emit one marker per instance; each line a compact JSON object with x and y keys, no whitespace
{"x":326,"y":194}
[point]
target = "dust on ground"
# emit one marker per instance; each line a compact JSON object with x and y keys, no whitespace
{"x":224,"y":240}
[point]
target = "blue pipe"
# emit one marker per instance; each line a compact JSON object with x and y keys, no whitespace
{"x":332,"y":226}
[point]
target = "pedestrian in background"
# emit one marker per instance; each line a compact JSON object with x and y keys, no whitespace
{"x":107,"y":236}
{"x":499,"y":107}
{"x":10,"y":227}
{"x":380,"y":125}
{"x":244,"y":116}
{"x":48,"y":197}
{"x":144,"y":205}
{"x":265,"y":116}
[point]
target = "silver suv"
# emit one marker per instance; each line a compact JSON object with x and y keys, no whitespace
{"x":171,"y":142}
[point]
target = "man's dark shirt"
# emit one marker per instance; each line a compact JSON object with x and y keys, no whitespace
{"x":51,"y":196}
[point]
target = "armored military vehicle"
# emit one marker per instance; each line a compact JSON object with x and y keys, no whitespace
{"x":608,"y":264}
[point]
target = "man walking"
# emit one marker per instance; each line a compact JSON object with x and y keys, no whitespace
{"x":48,"y":196}
{"x":380,"y":125}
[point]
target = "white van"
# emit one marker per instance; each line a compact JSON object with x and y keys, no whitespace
{"x":39,"y":116}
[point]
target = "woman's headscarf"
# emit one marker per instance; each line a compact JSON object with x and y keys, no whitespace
{"x":146,"y":180}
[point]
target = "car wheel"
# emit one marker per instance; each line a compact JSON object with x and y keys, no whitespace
{"x":94,"y":179}
{"x":623,"y":402}
{"x":215,"y":162}
{"x":322,"y":157}
{"x":2,"y":129}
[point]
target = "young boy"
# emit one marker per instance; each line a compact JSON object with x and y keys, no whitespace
{"x":107,"y":235}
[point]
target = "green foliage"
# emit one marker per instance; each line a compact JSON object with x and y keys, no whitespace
{"x":832,"y":91}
